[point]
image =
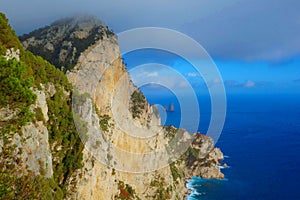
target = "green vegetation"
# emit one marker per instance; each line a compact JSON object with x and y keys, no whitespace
{"x":192,"y":155}
{"x":16,"y":82}
{"x":13,"y":186}
{"x":8,"y":38}
{"x":39,"y":114}
{"x":104,"y":122}
{"x":126,"y":192}
{"x":124,"y":64}
{"x":44,"y":72}
{"x":78,"y":100}
{"x":138,"y":103}
{"x":109,"y":32}
{"x":175,"y":172}
{"x":113,"y":172}
{"x":162,"y":192}
{"x":171,"y":132}
{"x":15,"y":93}
{"x":62,"y":132}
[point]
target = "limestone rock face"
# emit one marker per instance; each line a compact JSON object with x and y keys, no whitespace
{"x":101,"y":76}
{"x":125,"y":155}
{"x":202,"y":159}
{"x":33,"y":143}
{"x":36,"y":150}
{"x":41,"y":102}
{"x":12,"y":54}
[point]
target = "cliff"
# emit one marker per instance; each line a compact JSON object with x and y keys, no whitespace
{"x":127,"y":154}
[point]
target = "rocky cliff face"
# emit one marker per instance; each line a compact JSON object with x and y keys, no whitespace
{"x":32,"y":143}
{"x":127,"y":152}
{"x":62,"y":42}
{"x":39,"y":146}
{"x":101,"y":74}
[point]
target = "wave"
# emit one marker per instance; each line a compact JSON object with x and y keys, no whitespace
{"x":198,"y":181}
{"x":194,"y":193}
{"x":222,"y":167}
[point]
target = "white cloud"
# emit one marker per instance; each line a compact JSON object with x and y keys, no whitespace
{"x":152,"y":74}
{"x":214,"y":82}
{"x":249,"y":84}
{"x":183,"y":84}
{"x":192,"y":74}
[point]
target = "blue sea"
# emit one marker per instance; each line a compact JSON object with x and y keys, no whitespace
{"x":261,"y":144}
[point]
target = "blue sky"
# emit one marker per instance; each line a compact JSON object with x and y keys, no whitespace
{"x":238,"y":76}
{"x":255,"y":44}
{"x":261,"y":76}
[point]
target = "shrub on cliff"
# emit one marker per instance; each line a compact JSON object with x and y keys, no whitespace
{"x":16,"y":82}
{"x":137,"y":104}
{"x":8,"y":38}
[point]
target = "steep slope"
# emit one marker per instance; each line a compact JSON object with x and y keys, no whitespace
{"x":39,"y":145}
{"x":100,"y":73}
{"x":127,"y":152}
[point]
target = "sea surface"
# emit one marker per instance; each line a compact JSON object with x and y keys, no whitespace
{"x":261,"y":144}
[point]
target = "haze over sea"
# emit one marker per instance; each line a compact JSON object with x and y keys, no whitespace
{"x":261,"y":144}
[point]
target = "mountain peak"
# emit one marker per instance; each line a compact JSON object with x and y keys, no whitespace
{"x":64,"y":40}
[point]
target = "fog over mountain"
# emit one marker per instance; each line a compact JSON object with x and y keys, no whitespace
{"x":235,"y":29}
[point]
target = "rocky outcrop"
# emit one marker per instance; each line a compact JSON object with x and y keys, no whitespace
{"x":127,"y":156}
{"x":36,"y":152}
{"x":62,"y":42}
{"x":32,"y":143}
{"x":101,"y":74}
{"x":12,"y":54}
{"x":39,"y":146}
{"x":203,"y":159}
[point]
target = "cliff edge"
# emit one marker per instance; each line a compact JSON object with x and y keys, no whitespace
{"x":127,"y":152}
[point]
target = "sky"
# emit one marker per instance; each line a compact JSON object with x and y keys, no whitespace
{"x":255,"y":44}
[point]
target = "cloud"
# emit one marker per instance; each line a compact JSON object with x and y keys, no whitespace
{"x":249,"y":84}
{"x":137,"y":13}
{"x":232,"y":29}
{"x":152,"y":74}
{"x":251,"y":31}
{"x":214,"y":82}
{"x":232,"y":83}
{"x":192,"y":74}
{"x":184,"y":84}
